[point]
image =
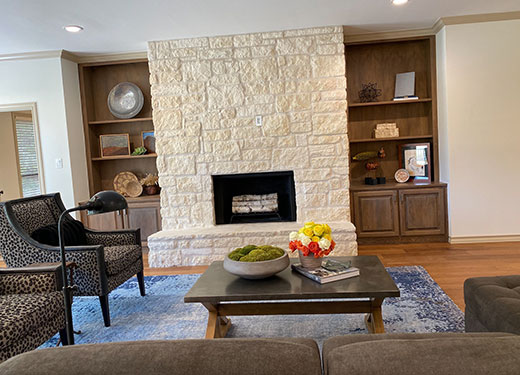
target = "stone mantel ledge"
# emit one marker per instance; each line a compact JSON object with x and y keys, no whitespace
{"x":201,"y":246}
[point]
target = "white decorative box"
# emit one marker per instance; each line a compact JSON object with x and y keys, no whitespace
{"x":388,"y":130}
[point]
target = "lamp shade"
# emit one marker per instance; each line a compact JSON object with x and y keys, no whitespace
{"x":106,"y":201}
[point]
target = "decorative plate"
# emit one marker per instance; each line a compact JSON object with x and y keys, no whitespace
{"x":121,"y":180}
{"x":133,"y":188}
{"x":125,"y":100}
{"x":402,"y":175}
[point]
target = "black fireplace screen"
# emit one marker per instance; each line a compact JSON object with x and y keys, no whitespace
{"x":254,"y":197}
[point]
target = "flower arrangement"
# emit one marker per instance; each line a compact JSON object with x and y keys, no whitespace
{"x":312,"y":238}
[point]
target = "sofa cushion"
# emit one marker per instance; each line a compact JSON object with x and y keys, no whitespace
{"x":194,"y":357}
{"x":73,"y":234}
{"x":21,"y":314}
{"x":495,"y":302}
{"x":461,"y":354}
{"x":119,"y":258}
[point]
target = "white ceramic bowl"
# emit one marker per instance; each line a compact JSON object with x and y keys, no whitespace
{"x":256,"y":270}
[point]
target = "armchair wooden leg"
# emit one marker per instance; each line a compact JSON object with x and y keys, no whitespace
{"x":140,"y":280}
{"x":103,"y":300}
{"x":63,"y":337}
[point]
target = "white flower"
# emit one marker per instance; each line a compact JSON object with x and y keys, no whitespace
{"x":305,"y":240}
{"x":324,"y":244}
{"x":293,"y":236}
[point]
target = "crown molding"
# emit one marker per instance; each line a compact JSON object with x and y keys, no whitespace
{"x":436,"y":27}
{"x":477,"y":18}
{"x":398,"y":34}
{"x":31,"y":55}
{"x":107,"y":57}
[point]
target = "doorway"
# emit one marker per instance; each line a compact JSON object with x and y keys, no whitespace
{"x":21,"y":168}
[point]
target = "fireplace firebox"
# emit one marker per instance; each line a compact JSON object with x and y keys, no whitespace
{"x":254,"y":197}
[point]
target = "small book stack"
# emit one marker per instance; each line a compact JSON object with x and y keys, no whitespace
{"x":331,"y":270}
{"x":389,"y":130}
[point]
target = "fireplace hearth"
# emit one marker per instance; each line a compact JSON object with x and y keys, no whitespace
{"x":254,"y":197}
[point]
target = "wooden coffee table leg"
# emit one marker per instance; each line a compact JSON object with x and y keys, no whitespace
{"x":376,"y":317}
{"x":224,"y":325}
{"x":368,"y":323}
{"x":217,"y":325}
{"x":213,"y":329}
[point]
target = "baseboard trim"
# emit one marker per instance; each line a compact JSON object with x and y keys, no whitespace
{"x":484,"y":239}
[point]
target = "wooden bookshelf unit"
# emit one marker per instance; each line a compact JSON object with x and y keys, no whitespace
{"x":96,"y":81}
{"x":386,"y":213}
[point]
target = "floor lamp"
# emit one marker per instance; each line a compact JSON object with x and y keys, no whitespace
{"x":104,"y":201}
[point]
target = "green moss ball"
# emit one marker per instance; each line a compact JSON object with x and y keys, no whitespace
{"x":253,"y":253}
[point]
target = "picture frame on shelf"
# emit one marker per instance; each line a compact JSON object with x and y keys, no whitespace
{"x":148,"y":141}
{"x":114,"y":145}
{"x":416,"y":159}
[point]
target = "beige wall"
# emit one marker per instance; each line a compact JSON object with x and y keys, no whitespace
{"x":9,"y":177}
{"x":479,"y":127}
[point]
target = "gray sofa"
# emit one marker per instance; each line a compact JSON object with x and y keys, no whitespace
{"x":418,"y":354}
{"x":492,"y":304}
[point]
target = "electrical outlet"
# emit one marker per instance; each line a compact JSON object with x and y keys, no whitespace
{"x":59,"y":163}
{"x":258,"y":120}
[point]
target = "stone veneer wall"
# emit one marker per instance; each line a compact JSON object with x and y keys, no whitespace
{"x":206,"y":93}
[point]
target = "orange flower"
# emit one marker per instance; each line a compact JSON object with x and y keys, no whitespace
{"x":293,"y":245}
{"x":314,"y":247}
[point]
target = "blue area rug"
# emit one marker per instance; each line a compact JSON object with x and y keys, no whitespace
{"x":162,"y":314}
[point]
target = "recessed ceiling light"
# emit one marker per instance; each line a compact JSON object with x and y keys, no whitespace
{"x":73,"y":28}
{"x":399,"y":2}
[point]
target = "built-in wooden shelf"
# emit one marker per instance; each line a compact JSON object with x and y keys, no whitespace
{"x":389,"y":102}
{"x":120,"y":157}
{"x":120,"y":121}
{"x":367,"y":140}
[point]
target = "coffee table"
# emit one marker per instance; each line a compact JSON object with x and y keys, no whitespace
{"x":288,"y":292}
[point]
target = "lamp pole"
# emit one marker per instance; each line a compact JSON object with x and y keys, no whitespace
{"x":67,"y":289}
{"x":104,"y":201}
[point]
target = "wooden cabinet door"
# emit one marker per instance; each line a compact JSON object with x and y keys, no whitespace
{"x":146,"y":216}
{"x":422,"y":211}
{"x":376,"y":214}
{"x":105,"y":222}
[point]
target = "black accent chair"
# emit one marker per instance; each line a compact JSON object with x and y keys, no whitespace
{"x":107,"y":261}
{"x":31,"y":308}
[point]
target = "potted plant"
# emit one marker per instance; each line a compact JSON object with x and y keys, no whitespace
{"x":313,"y":242}
{"x":150,"y":184}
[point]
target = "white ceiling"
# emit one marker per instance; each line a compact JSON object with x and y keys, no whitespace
{"x":126,"y":25}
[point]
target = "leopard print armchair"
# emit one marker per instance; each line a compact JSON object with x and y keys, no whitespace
{"x":107,"y":261}
{"x":31,"y":308}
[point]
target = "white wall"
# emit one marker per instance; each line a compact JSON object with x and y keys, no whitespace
{"x":9,"y":176}
{"x":479,"y":126}
{"x":78,"y":161}
{"x":47,"y":82}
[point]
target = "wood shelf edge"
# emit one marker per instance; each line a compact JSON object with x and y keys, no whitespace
{"x":389,"y":102}
{"x":370,"y":140}
{"x":123,"y":157}
{"x":120,"y":121}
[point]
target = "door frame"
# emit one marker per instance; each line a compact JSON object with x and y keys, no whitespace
{"x":31,"y":106}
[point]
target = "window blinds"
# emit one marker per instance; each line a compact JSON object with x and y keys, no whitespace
{"x":28,"y":158}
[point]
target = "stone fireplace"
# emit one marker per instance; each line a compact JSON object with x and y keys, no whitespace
{"x":209,"y":96}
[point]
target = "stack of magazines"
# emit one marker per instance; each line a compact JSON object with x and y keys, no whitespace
{"x":330,"y":270}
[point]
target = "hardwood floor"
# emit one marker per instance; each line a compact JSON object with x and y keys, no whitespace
{"x":449,"y":265}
